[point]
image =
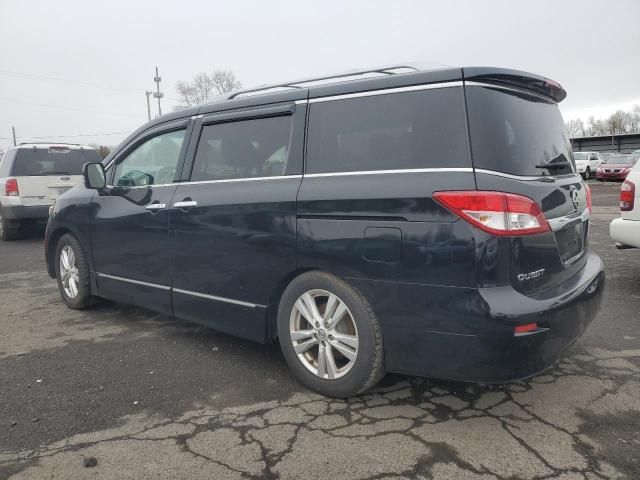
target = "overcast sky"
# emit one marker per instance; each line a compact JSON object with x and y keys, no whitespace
{"x":75,"y":67}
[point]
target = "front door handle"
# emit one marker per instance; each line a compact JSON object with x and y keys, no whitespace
{"x":186,"y":204}
{"x":156,"y":206}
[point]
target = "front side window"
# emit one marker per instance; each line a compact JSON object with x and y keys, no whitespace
{"x":243,"y":149}
{"x":152,"y":163}
{"x":408,"y":130}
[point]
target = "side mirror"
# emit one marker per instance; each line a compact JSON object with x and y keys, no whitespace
{"x":94,"y":176}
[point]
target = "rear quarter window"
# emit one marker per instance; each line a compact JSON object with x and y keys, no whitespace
{"x":408,"y":130}
{"x":516,"y":133}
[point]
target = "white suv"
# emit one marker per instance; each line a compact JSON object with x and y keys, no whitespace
{"x":587,"y":163}
{"x":32,"y":176}
{"x":625,"y":231}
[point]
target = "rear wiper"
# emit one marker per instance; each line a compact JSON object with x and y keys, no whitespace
{"x":54,"y":173}
{"x":554,"y":165}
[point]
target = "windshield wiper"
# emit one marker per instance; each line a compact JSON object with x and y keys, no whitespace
{"x":554,"y":165}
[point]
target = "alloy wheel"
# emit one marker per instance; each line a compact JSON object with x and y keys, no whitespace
{"x":324,"y":334}
{"x":69,"y":275}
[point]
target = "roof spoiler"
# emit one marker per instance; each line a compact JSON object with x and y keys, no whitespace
{"x":528,"y":81}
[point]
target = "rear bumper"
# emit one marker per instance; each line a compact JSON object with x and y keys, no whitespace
{"x":468,"y":334}
{"x":626,"y":232}
{"x":20,"y":212}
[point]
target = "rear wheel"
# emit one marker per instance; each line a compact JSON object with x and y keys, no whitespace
{"x":72,"y":273}
{"x":587,"y":174}
{"x":8,"y":229}
{"x":330,"y":336}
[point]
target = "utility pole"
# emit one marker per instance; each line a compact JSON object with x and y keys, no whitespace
{"x":158,"y":94}
{"x":147,"y":93}
{"x":13,"y":130}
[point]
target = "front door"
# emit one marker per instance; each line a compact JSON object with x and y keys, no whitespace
{"x":233,"y":225}
{"x":130,"y":225}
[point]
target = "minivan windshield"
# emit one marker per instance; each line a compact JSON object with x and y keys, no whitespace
{"x":52,"y":161}
{"x":517,"y":133}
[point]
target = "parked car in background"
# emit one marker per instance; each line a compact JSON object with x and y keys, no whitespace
{"x":616,"y":167}
{"x":32,"y":176}
{"x":587,"y":163}
{"x":370,"y":224}
{"x":625,"y":231}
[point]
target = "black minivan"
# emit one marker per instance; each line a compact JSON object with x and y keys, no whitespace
{"x":392,"y":220}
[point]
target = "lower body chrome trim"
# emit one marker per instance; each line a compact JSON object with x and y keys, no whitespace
{"x":184,"y":292}
{"x":136,"y":282}
{"x":218,"y":299}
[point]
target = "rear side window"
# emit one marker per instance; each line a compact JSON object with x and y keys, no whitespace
{"x":52,"y":161}
{"x":421,"y":129}
{"x":243,"y":149}
{"x":517,"y":133}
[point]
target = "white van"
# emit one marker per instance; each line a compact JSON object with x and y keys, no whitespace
{"x":32,"y":176}
{"x":625,"y":231}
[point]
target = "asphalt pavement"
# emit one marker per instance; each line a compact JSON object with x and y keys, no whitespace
{"x":117,"y":392}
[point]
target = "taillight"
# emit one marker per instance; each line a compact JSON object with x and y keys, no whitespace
{"x":587,"y":191}
{"x":498,"y":213}
{"x":627,"y":196}
{"x":11,"y":188}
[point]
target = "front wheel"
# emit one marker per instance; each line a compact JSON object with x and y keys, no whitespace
{"x":72,"y":273}
{"x":330,"y":335}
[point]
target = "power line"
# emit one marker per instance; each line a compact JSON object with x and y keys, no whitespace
{"x":69,"y":80}
{"x":67,"y":108}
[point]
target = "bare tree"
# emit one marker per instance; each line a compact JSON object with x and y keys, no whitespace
{"x":205,"y":86}
{"x":616,"y":122}
{"x":102,"y":150}
{"x":575,"y":128}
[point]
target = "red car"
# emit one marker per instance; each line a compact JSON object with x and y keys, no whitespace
{"x":616,"y":167}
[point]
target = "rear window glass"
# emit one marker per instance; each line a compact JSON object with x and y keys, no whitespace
{"x":52,"y":161}
{"x":421,"y":129}
{"x":517,"y":133}
{"x":580,"y":156}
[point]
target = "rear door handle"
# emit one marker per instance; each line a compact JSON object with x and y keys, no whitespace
{"x":156,"y":206}
{"x":186,"y":204}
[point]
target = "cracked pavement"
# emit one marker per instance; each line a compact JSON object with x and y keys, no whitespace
{"x":152,"y":397}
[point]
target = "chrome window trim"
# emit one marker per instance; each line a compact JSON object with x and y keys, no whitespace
{"x":384,"y":172}
{"x":136,"y":282}
{"x":523,"y":177}
{"x":224,"y":180}
{"x":243,"y":179}
{"x":387,"y":91}
{"x":219,"y":299}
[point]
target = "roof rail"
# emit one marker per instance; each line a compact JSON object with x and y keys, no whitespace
{"x":388,"y":70}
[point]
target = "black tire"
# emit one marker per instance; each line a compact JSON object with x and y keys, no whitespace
{"x":587,"y":174}
{"x":8,"y":229}
{"x":83,"y":298}
{"x":368,"y":366}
